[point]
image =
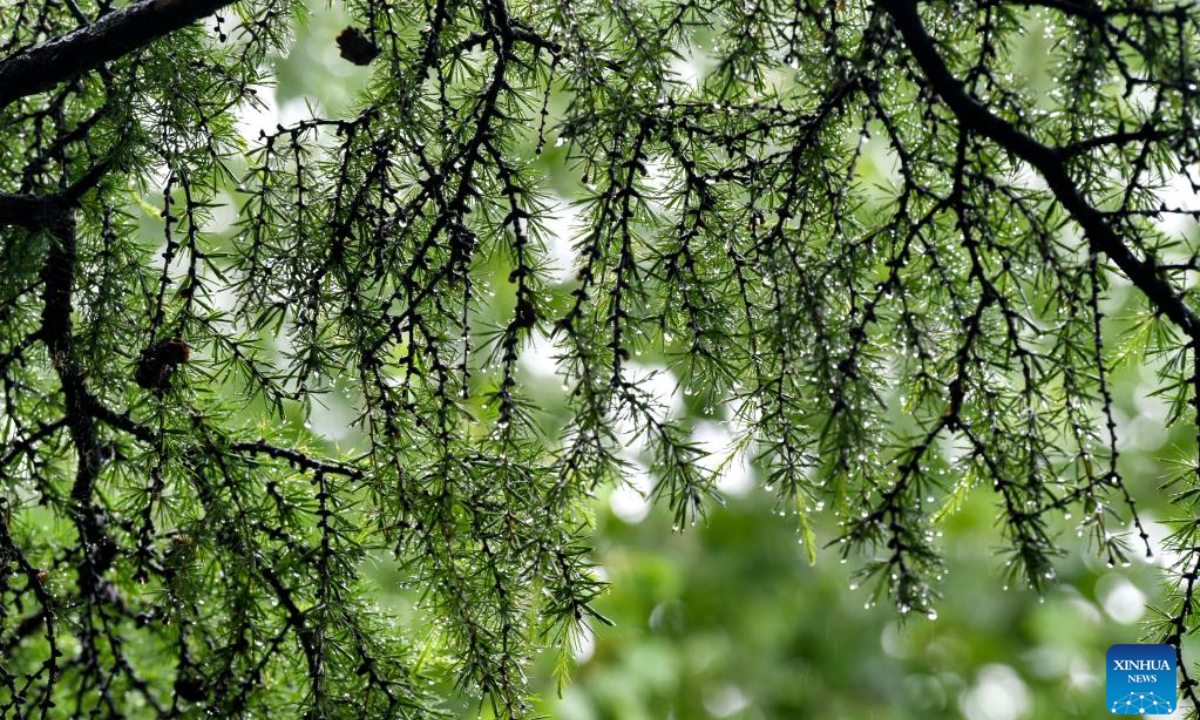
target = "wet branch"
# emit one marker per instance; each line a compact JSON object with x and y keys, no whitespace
{"x":40,"y":68}
{"x":1046,"y":160}
{"x":58,"y":277}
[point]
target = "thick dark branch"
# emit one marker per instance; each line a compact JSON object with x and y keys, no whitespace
{"x":40,"y":68}
{"x":33,"y":211}
{"x":1049,"y":163}
{"x":58,"y":277}
{"x":27,"y":211}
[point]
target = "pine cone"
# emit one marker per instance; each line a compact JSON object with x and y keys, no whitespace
{"x":356,"y":46}
{"x":156,"y":364}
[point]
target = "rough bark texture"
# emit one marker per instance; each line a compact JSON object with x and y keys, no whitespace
{"x":40,"y":68}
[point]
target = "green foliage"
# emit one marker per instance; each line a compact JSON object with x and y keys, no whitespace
{"x":729,"y":620}
{"x":890,"y":257}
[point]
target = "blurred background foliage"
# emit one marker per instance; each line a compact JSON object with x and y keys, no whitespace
{"x":728,"y":619}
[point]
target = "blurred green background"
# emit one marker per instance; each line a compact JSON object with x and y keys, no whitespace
{"x":728,"y":619}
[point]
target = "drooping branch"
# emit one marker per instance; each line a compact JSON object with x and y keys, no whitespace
{"x":1052,"y":163}
{"x":39,"y":68}
{"x":1048,"y":161}
{"x":369,"y":246}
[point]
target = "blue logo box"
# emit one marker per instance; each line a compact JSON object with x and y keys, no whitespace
{"x":1140,"y":679}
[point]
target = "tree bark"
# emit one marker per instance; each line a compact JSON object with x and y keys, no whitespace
{"x":41,"y":67}
{"x":58,"y":277}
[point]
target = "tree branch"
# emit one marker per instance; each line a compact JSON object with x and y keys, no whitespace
{"x":296,"y":458}
{"x":58,"y":277}
{"x":28,"y":211}
{"x":1048,"y":162}
{"x":33,"y":211}
{"x":40,"y":68}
